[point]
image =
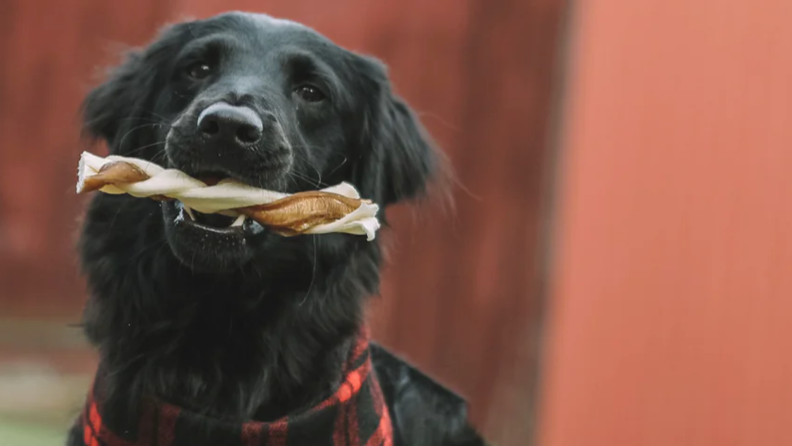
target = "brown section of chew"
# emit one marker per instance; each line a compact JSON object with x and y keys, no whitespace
{"x":300,"y":212}
{"x":117,"y":172}
{"x":292,"y":215}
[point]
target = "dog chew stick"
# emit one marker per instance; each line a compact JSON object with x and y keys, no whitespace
{"x":116,"y":172}
{"x":297,"y":213}
{"x":335,"y":209}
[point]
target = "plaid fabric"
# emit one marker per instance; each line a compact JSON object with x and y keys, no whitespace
{"x":355,"y":415}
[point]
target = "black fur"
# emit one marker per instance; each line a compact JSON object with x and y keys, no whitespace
{"x":257,"y":330}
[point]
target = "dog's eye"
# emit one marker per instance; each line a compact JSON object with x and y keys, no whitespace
{"x":309,"y":93}
{"x":199,"y":71}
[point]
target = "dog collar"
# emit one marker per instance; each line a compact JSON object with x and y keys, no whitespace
{"x":356,"y":414}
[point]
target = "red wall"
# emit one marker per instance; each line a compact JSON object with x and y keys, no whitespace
{"x":49,"y":53}
{"x":672,"y":289}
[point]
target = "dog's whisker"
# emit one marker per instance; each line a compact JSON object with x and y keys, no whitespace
{"x":133,"y":129}
{"x":293,"y":179}
{"x":308,"y":162}
{"x":339,"y":166}
{"x":131,"y":152}
{"x":163,"y":118}
{"x":313,"y":181}
{"x":294,"y":176}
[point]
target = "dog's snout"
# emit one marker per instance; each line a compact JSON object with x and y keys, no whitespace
{"x":228,"y":124}
{"x":243,"y":142}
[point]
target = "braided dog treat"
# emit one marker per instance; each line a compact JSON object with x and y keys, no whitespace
{"x":334,"y":209}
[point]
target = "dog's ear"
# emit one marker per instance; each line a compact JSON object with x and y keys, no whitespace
{"x":121,"y":103}
{"x":109,"y":105}
{"x":396,"y":156}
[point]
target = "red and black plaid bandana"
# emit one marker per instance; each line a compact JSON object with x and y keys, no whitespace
{"x":355,"y":415}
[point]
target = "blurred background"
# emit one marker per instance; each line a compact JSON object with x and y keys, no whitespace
{"x":618,"y":267}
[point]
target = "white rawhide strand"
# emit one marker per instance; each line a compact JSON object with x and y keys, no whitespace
{"x":224,"y":196}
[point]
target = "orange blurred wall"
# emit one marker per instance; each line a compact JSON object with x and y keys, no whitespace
{"x":670,"y":316}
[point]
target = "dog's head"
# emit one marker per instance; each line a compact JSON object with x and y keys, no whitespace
{"x":267,"y":102}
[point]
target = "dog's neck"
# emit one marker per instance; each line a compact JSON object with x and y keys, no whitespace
{"x":245,"y":373}
{"x":249,"y":345}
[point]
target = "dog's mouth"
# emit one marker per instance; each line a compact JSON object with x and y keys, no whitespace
{"x":218,"y":223}
{"x":223,"y":222}
{"x":214,"y":241}
{"x":211,"y":178}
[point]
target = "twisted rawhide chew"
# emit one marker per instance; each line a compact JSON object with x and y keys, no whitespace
{"x":335,"y":209}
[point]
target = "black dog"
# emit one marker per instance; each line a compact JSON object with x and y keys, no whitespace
{"x":220,"y":335}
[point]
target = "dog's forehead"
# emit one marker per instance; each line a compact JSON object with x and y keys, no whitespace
{"x":268,"y":31}
{"x":274,"y":22}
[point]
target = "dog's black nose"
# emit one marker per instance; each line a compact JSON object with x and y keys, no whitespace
{"x":227,"y":124}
